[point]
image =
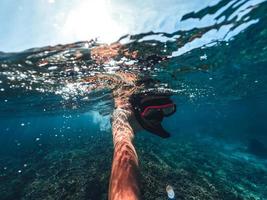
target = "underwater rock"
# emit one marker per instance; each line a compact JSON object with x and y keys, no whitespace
{"x":257,"y":148}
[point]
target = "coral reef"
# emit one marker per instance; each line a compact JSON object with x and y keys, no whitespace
{"x":79,"y":169}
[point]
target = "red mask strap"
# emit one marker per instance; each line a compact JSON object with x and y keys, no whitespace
{"x":156,"y":107}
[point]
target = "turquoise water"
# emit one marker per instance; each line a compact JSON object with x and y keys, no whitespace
{"x":55,"y":136}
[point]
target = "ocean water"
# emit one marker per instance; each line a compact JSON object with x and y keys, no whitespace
{"x":55,"y":136}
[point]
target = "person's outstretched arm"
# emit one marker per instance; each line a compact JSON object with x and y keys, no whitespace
{"x":124,"y":175}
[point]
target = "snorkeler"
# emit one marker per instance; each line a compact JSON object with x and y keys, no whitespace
{"x":133,"y":111}
{"x":148,"y":110}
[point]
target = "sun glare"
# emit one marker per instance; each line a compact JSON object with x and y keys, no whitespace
{"x":92,"y":19}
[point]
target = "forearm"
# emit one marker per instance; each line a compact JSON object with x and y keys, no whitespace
{"x":124,"y":174}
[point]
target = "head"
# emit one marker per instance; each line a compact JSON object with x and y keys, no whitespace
{"x":150,"y":110}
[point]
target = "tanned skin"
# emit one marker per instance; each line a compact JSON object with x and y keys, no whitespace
{"x":123,"y":184}
{"x":124,"y":174}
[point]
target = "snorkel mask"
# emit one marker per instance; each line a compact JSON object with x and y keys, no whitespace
{"x":150,"y":109}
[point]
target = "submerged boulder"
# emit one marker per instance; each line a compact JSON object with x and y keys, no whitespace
{"x":257,"y":148}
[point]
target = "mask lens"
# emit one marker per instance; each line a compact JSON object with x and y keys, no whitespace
{"x":150,"y":112}
{"x":169,"y":110}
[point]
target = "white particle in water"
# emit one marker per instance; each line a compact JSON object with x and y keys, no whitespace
{"x":5,"y":168}
{"x":25,"y":165}
{"x":256,"y":81}
{"x":191,"y":95}
{"x":76,"y":69}
{"x":12,"y":78}
{"x":52,"y":68}
{"x":6,"y":100}
{"x":2,"y":89}
{"x":19,"y":171}
{"x":22,"y":124}
{"x":37,"y":139}
{"x":204,"y":57}
{"x":23,"y":76}
{"x":28,"y":62}
{"x":210,"y":78}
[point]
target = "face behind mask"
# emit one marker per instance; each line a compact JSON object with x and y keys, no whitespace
{"x":150,"y":109}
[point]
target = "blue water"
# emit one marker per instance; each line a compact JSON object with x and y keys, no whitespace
{"x":55,"y":137}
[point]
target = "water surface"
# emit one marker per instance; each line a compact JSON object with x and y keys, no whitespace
{"x":55,"y":136}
